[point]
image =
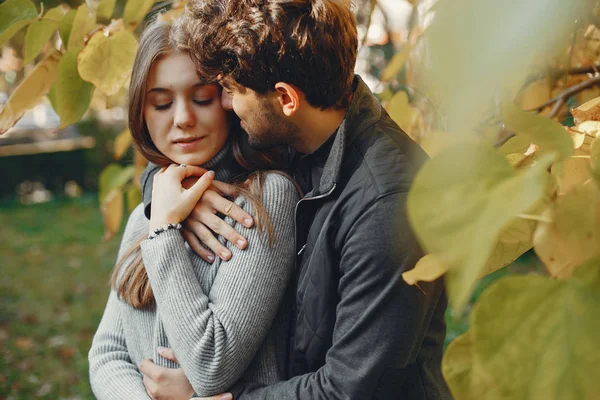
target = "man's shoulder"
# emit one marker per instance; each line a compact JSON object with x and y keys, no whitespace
{"x":385,"y":157}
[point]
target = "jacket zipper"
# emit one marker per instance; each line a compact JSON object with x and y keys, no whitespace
{"x":296,"y":275}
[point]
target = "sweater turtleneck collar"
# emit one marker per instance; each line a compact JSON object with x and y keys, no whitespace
{"x":224,"y":164}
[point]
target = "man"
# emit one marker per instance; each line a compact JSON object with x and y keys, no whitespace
{"x":359,"y":331}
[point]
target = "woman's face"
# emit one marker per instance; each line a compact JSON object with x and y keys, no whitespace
{"x":185,"y":118}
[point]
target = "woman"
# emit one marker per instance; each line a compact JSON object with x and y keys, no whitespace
{"x":220,"y":319}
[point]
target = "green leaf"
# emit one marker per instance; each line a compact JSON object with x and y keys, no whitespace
{"x":134,"y":196}
{"x":66,"y":25}
{"x":105,"y":9}
{"x":15,"y":15}
{"x":39,"y":32}
{"x":113,"y":177}
{"x":396,"y":63}
{"x":107,"y":61}
{"x":547,"y":134}
{"x":537,"y":337}
{"x":122,"y":144}
{"x":83,"y":24}
{"x":464,"y":375}
{"x":570,"y":236}
{"x":135,"y":12}
{"x":460,"y":203}
{"x":72,"y":94}
{"x":35,"y":86}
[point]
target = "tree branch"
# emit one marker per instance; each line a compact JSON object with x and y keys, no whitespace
{"x":570,"y":92}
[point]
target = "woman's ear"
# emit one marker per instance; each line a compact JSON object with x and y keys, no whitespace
{"x":288,"y":97}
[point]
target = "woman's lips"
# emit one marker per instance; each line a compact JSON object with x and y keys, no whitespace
{"x":189,"y":143}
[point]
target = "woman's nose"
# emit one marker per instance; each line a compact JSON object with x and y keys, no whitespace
{"x":184,"y":115}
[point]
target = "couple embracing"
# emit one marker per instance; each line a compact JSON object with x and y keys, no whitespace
{"x":266,"y":259}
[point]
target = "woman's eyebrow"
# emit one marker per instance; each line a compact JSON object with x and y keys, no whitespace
{"x":162,"y":90}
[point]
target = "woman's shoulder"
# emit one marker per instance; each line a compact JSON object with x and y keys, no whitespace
{"x":280,"y":183}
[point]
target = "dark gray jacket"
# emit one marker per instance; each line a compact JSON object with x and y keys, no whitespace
{"x":360,"y":332}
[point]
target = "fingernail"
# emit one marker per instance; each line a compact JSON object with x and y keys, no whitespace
{"x":211,"y":173}
{"x":161,"y":349}
{"x":211,"y":258}
{"x":227,"y":396}
{"x":248,"y":221}
{"x":225,"y":254}
{"x":241,"y":242}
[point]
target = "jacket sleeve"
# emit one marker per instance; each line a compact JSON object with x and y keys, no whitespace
{"x":147,"y":180}
{"x":380,"y":320}
{"x":216,"y":334}
{"x":113,"y":376}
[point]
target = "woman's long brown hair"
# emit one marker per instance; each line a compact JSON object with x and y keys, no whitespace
{"x":129,"y":276}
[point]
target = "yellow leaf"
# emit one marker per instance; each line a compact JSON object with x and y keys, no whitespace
{"x":72,"y":95}
{"x":428,"y":269}
{"x":547,"y":134}
{"x":591,"y":128}
{"x":575,"y":170}
{"x":587,"y":111}
{"x":107,"y":61}
{"x":572,"y":234}
{"x":396,"y":63}
{"x":595,"y":160}
{"x":135,"y":11}
{"x":112,"y":213}
{"x":171,"y":15}
{"x":84,"y":24}
{"x":535,"y":94}
{"x":15,"y":15}
{"x":35,"y":86}
{"x":105,"y":9}
{"x":39,"y":32}
{"x":512,"y":242}
{"x":407,"y":117}
{"x":122,"y":144}
{"x":462,"y":200}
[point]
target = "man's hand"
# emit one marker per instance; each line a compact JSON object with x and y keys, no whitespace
{"x":203,"y":223}
{"x":165,"y":383}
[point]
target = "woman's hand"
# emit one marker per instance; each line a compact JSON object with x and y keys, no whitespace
{"x":171,"y":202}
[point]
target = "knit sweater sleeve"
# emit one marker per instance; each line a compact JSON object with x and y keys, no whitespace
{"x":113,"y":376}
{"x":215,"y":335}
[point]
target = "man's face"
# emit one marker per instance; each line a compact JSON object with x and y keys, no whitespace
{"x":264,"y":123}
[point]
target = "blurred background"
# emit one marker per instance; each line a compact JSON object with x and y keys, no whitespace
{"x":56,"y":251}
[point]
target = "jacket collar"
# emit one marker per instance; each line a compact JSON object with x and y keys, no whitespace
{"x":364,"y":111}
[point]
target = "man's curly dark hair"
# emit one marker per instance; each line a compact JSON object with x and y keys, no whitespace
{"x":311,"y":44}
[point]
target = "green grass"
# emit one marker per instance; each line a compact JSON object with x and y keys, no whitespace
{"x":53,"y":287}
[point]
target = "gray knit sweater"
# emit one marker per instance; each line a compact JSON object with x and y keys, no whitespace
{"x":223,"y":320}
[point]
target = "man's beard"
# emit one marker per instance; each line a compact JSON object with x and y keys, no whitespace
{"x":270,"y":129}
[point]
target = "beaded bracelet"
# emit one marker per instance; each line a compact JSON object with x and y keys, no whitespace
{"x":158,"y":231}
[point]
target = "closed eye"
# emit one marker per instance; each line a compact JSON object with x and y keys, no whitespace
{"x":162,"y":107}
{"x":204,"y":102}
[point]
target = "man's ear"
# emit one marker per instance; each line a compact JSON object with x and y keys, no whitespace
{"x":288,"y":97}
